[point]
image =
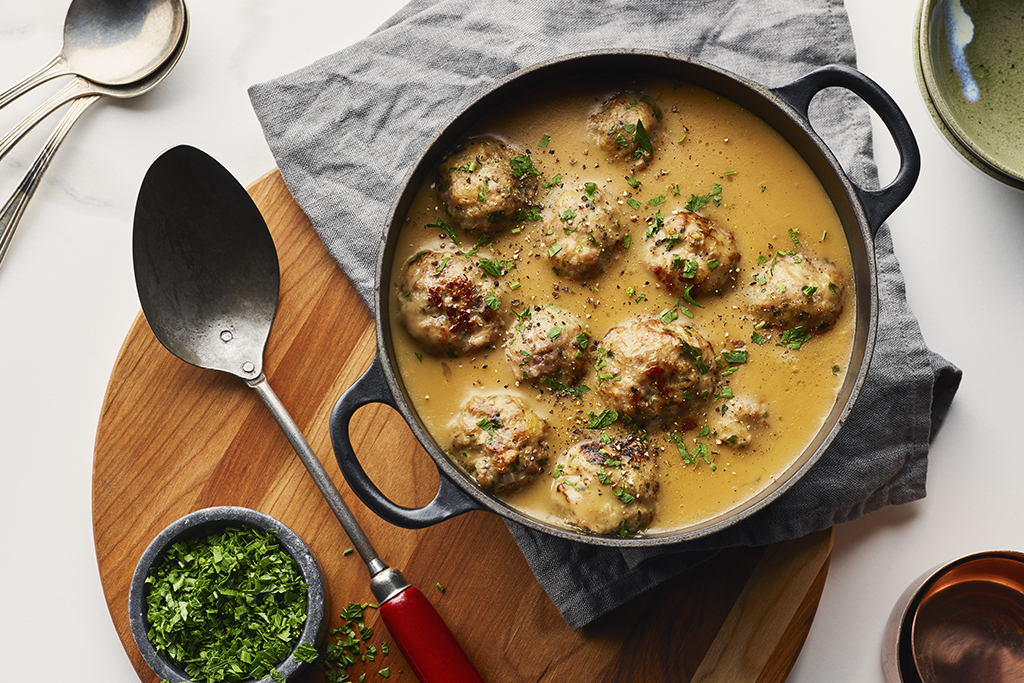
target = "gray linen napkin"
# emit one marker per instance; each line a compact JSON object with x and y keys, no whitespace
{"x":346,"y":129}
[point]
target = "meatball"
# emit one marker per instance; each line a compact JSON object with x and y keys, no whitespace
{"x":607,"y":488}
{"x":649,"y":369}
{"x":691,"y":250}
{"x":551,"y":344}
{"x":741,"y":420}
{"x":485,"y":185}
{"x":795,"y":291}
{"x":624,"y":127}
{"x":499,"y":442}
{"x":446,"y":306}
{"x":580,"y":228}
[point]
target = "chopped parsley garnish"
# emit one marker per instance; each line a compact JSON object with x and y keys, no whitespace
{"x":623,"y":496}
{"x":757,"y":339}
{"x":634,"y":204}
{"x":588,"y":191}
{"x":226,"y":606}
{"x":493,"y":267}
{"x":554,"y":249}
{"x":567,"y":215}
{"x":531,"y":213}
{"x":522,"y":166}
{"x":544,"y":141}
{"x":688,"y":298}
{"x":633,"y":182}
{"x":735,"y":357}
{"x":601,"y":420}
{"x":554,"y":332}
{"x":697,"y":203}
{"x":557,"y":180}
{"x":444,"y":263}
{"x":657,"y":201}
{"x":492,"y":301}
{"x":563,"y":390}
{"x":484,"y":241}
{"x":448,"y":230}
{"x":643,"y":141}
{"x":795,"y":337}
{"x":348,"y":644}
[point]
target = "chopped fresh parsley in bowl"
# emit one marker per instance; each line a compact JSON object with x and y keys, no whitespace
{"x":227,"y":594}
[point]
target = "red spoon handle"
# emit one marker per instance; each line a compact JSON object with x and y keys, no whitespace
{"x":425,"y":640}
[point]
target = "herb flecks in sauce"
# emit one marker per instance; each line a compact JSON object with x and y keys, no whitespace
{"x":761,"y":222}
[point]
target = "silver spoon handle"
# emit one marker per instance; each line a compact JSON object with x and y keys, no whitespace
{"x":77,"y":88}
{"x":57,"y":66}
{"x":320,"y":478}
{"x":11,"y":214}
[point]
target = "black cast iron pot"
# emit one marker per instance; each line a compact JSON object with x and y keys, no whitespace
{"x":785,"y":109}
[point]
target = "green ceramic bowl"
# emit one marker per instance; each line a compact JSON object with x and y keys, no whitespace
{"x":969,"y":57}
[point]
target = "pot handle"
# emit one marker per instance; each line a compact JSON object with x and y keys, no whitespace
{"x":448,"y":502}
{"x":878,"y":204}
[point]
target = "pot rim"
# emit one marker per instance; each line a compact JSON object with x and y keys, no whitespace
{"x":845,"y":196}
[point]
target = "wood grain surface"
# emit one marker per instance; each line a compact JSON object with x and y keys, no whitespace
{"x":173,"y":438}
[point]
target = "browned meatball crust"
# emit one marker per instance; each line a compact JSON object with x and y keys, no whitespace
{"x":624,"y":128}
{"x":691,"y":250}
{"x":580,"y":229}
{"x":446,"y":306}
{"x":796,"y":291}
{"x":649,"y":369}
{"x":499,"y":442}
{"x":550,"y":344}
{"x":485,"y":185}
{"x":607,"y":488}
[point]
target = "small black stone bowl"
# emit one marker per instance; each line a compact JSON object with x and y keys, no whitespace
{"x":212,"y":520}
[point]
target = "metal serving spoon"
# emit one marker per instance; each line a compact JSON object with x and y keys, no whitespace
{"x":208,"y":279}
{"x":112,"y":42}
{"x":12,"y":211}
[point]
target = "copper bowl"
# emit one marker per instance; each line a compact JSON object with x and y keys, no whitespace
{"x":962,"y":621}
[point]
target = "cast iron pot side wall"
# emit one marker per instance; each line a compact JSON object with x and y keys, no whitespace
{"x":860,"y":211}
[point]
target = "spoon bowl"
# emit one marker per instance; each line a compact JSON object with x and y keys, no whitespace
{"x":112,"y":42}
{"x":11,"y":213}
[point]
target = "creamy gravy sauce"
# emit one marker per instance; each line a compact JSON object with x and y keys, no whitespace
{"x":767,"y":190}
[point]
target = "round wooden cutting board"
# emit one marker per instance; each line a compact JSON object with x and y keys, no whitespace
{"x":173,"y":438}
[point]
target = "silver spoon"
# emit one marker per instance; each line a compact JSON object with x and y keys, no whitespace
{"x":12,"y":211}
{"x":112,"y":42}
{"x":81,"y":86}
{"x":208,"y":279}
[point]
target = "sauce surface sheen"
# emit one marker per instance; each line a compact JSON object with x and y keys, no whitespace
{"x":770,"y":201}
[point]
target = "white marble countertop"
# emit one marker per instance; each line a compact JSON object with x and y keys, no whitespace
{"x":67,"y":299}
